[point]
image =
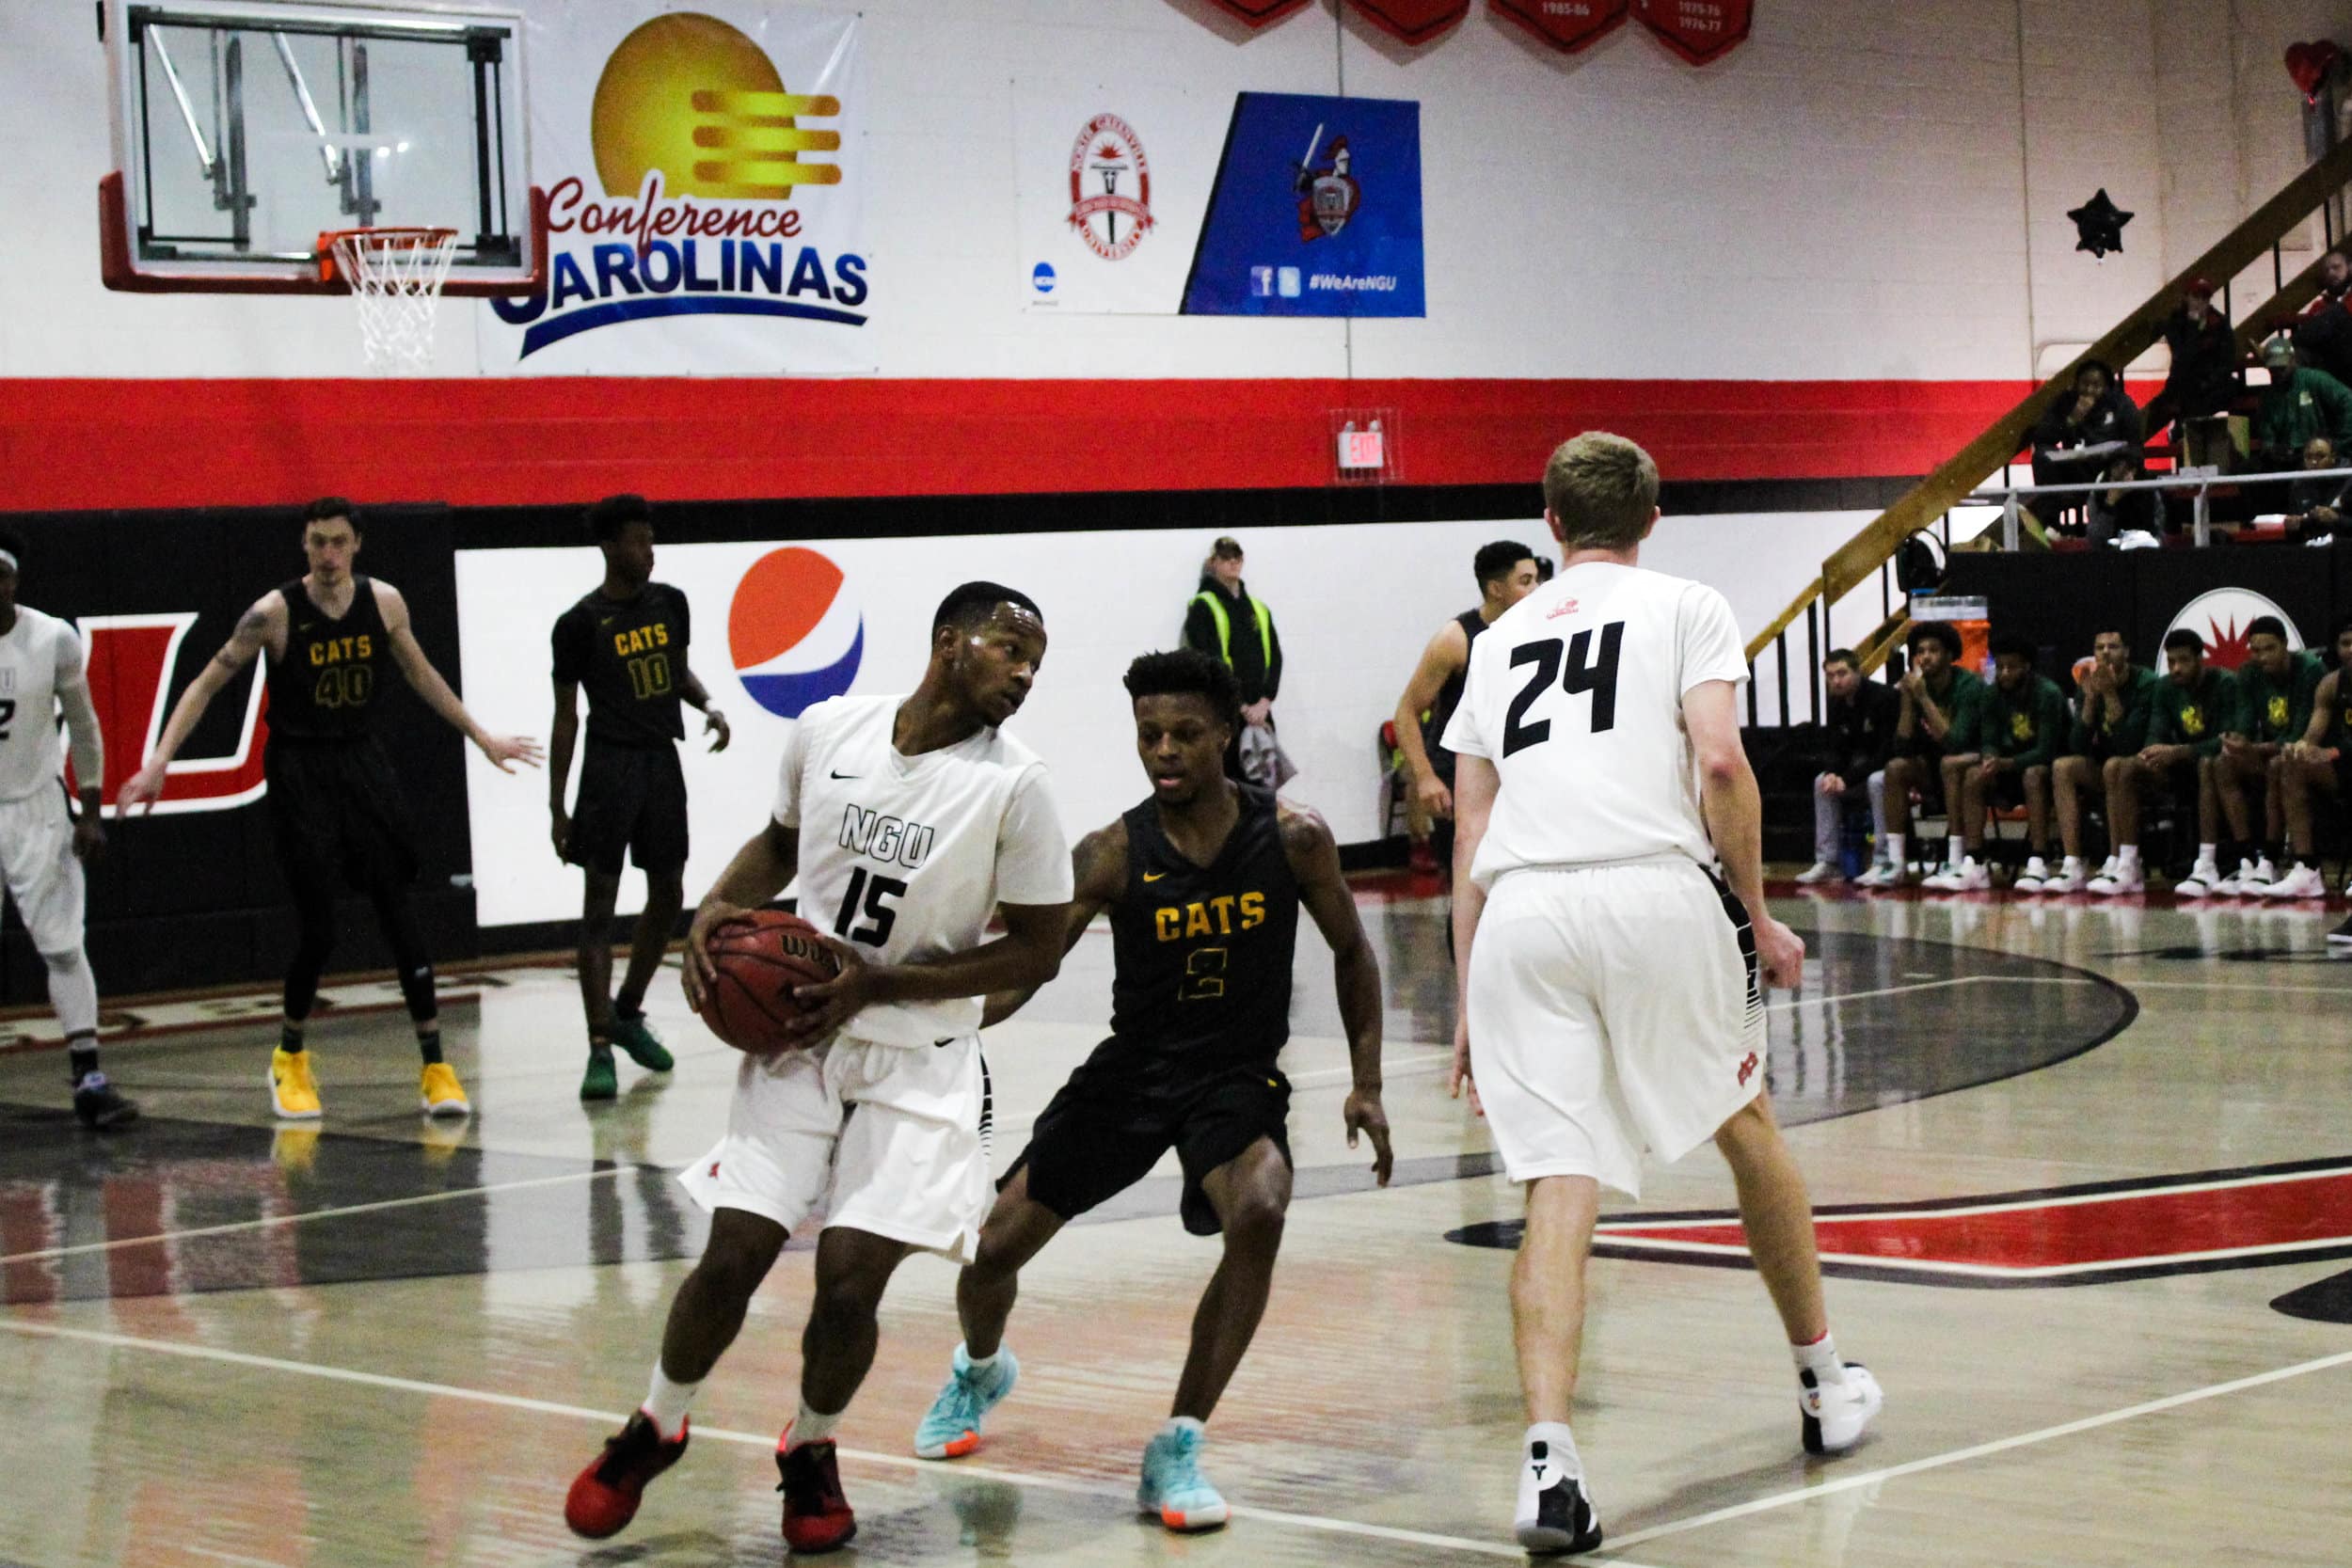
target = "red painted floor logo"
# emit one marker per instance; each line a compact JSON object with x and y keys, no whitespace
{"x":2109,"y":1230}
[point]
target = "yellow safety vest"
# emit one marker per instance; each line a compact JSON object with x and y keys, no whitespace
{"x":1225,"y":626}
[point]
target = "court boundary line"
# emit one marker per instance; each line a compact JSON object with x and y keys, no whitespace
{"x":1982,"y":1451}
{"x":747,"y":1439}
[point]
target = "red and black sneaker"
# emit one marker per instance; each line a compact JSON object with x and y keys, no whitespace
{"x":604,"y":1496}
{"x":816,"y":1518}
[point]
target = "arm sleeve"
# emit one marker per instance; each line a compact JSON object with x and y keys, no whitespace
{"x":86,"y":742}
{"x":787,"y":809}
{"x":1710,"y":646}
{"x":569,"y":644}
{"x":1462,"y":734}
{"x":1273,"y":656}
{"x":1032,"y":854}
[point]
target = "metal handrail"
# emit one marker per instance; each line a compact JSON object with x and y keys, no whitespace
{"x":2007,"y":495}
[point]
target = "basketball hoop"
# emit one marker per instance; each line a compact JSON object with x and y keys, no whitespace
{"x":395,"y":277}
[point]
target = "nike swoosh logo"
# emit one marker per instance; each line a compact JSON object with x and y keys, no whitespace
{"x":1154,"y":875}
{"x":834,"y":775}
{"x":607,"y":620}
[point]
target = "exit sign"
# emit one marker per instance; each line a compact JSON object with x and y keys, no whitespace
{"x":1363,"y":448}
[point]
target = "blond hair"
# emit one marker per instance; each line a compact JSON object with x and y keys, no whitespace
{"x":1603,"y":489}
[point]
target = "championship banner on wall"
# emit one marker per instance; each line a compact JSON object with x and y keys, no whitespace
{"x":1316,"y":211}
{"x":705,"y":177}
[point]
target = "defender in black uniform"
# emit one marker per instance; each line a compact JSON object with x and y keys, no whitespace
{"x":626,"y":645}
{"x":1203,"y":882}
{"x":334,"y":804}
{"x":1506,"y":572}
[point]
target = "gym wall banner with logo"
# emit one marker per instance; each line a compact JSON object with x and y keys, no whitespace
{"x":1137,"y":201}
{"x":705,"y":180}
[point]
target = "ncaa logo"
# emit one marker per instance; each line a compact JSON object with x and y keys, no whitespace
{"x":2221,"y":616}
{"x":795,"y":637}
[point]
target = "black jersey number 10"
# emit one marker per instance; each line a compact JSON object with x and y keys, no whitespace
{"x":874,"y":892}
{"x":1582,"y":672}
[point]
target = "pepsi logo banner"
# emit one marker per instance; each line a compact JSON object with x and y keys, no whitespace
{"x":1412,"y":20}
{"x":706,"y":181}
{"x":1699,"y":30}
{"x":1568,"y":25}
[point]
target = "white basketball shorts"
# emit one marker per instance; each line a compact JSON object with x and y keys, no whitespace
{"x":1612,"y":1009}
{"x":37,"y":865}
{"x":888,"y":1139}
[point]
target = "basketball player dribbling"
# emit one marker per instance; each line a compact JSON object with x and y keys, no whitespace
{"x":1612,"y":998}
{"x":910,"y":822}
{"x":42,"y":844}
{"x":625,"y":643}
{"x":334,"y":802}
{"x":1203,"y":882}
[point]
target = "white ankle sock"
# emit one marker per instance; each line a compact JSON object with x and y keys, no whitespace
{"x":2127,"y":856}
{"x":2074,"y":864}
{"x":1185,"y":1423}
{"x":1558,"y":1446}
{"x":2207,"y":853}
{"x":1954,"y":850}
{"x":809,"y":1426}
{"x":980,"y":1366}
{"x":1896,"y":844}
{"x":666,"y":1403}
{"x":1820,"y":1359}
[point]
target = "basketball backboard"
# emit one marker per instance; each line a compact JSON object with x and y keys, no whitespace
{"x":243,"y":130}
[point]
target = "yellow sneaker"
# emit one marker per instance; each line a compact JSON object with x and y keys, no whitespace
{"x":294,"y":1094}
{"x":443,"y":1096}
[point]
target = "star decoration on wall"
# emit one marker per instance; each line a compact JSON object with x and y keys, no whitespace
{"x":2099,"y":226}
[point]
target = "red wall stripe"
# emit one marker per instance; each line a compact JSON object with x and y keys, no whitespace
{"x":70,"y":444}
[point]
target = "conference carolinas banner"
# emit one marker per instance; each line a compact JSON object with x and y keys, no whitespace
{"x":705,"y":178}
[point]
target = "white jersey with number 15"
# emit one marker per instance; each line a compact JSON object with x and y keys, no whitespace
{"x":1575,"y":694}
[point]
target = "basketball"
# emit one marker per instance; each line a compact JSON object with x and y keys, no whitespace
{"x":760,"y":959}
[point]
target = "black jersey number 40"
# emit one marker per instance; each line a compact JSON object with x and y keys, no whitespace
{"x":1582,"y":673}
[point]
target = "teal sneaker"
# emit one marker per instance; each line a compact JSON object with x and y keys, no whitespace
{"x":1173,"y":1487}
{"x":634,"y":1033}
{"x":598,"y":1082}
{"x":952,"y":1428}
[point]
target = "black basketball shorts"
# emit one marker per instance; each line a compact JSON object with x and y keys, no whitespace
{"x":336,"y":808}
{"x":632,"y":803}
{"x":1099,"y":1137}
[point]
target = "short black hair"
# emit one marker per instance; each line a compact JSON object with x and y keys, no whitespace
{"x":2180,"y":637}
{"x":607,"y":517}
{"x":1544,"y":569}
{"x":13,"y":545}
{"x":1935,"y":631}
{"x":2100,"y":365}
{"x":2116,"y":627}
{"x":970,"y":603}
{"x":2270,"y":623}
{"x":331,"y":506}
{"x":1498,"y":560}
{"x":1843,"y":655}
{"x":1187,"y":672}
{"x":2015,"y":645}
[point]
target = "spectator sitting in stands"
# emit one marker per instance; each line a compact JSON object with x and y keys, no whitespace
{"x":2116,"y":700}
{"x":2017,"y":725}
{"x":2113,"y":513}
{"x":2316,"y":507}
{"x":2323,"y":333}
{"x":2203,"y":376}
{"x":2319,"y":764}
{"x":1861,"y":721}
{"x":2192,"y":707}
{"x":2299,"y":403}
{"x":2084,"y":428}
{"x":1936,"y":698}
{"x":2276,"y":689}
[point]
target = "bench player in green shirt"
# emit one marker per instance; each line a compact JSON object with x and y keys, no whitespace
{"x":2010,"y":734}
{"x":2317,"y":764}
{"x":2275,"y":690}
{"x":2192,"y":706}
{"x":2114,"y":702}
{"x":1935,"y":696}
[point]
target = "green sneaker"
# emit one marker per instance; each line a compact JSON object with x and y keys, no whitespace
{"x":633,"y":1033}
{"x":598,"y":1082}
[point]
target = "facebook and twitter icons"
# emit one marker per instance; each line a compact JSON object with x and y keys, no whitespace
{"x":796,"y":638}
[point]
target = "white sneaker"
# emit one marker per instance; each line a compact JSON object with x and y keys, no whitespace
{"x":1970,"y":876}
{"x":1819,"y":871}
{"x":2070,"y":878}
{"x":1884,"y":873}
{"x":1834,"y":1413}
{"x":2204,"y":879}
{"x":2304,"y":881}
{"x":2248,"y":881}
{"x":1555,"y":1514}
{"x":2034,"y":879}
{"x":2112,"y":879}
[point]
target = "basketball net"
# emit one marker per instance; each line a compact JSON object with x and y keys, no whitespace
{"x":395,"y":277}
